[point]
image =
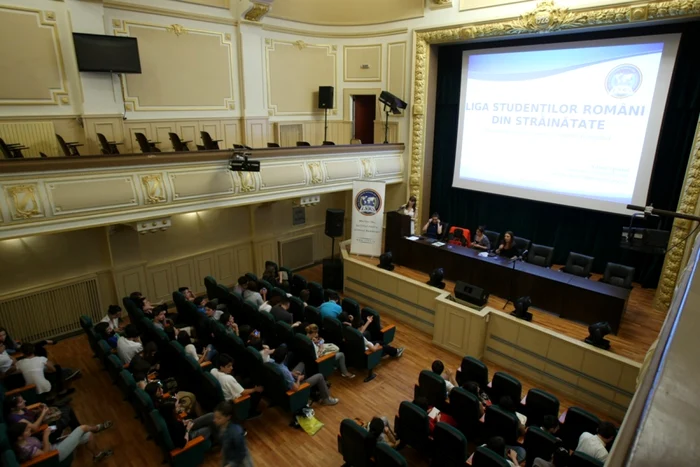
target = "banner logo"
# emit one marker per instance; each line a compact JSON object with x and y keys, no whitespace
{"x":623,"y":81}
{"x":368,"y":202}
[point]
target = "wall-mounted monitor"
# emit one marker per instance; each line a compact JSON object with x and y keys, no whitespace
{"x":112,"y":54}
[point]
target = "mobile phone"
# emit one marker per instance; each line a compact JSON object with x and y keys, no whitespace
{"x":52,"y":427}
{"x":320,"y":342}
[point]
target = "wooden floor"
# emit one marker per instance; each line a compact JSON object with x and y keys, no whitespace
{"x":640,"y":325}
{"x":271,"y":441}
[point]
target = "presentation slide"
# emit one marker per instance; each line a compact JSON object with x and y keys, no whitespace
{"x":574,"y":123}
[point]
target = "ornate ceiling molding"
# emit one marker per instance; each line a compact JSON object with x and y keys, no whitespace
{"x":258,"y":10}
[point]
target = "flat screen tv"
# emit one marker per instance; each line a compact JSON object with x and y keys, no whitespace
{"x":112,"y":54}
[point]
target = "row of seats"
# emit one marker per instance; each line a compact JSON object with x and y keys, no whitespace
{"x":14,"y":150}
{"x":542,"y":255}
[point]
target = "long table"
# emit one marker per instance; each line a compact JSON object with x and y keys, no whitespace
{"x":569,"y":296}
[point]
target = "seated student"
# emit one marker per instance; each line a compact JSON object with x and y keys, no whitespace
{"x":61,"y":416}
{"x":507,"y":404}
{"x":433,"y":228}
{"x":210,"y":309}
{"x":265,"y":350}
{"x":145,"y":362}
{"x":159,"y":317}
{"x":439,"y":369}
{"x":281,"y":312}
{"x":129,"y":344}
{"x":254,"y":294}
{"x":189,"y":296}
{"x":508,"y":248}
{"x":374,"y":346}
{"x":481,"y":241}
{"x":229,"y":323}
{"x":199,"y":302}
{"x":434,"y":414}
{"x":11,"y":346}
{"x":232,"y":389}
{"x":473,"y":387}
{"x":113,"y":318}
{"x":271,"y":275}
{"x":304,"y":295}
{"x":142,"y":303}
{"x":560,"y":458}
{"x":381,"y":432}
{"x":498,"y":445}
{"x":182,"y":430}
{"x":295,"y":377}
{"x":208,"y":352}
{"x":27,"y":447}
{"x":35,"y":369}
{"x":595,"y":445}
{"x":322,"y":349}
{"x":550,"y":424}
{"x":332,"y":309}
{"x":241,"y":286}
{"x":268,"y":304}
{"x":104,"y":331}
{"x":185,"y":402}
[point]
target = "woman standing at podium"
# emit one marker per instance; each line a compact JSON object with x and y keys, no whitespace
{"x":409,"y":209}
{"x":508,"y":248}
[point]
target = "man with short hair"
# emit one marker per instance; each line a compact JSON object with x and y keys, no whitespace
{"x":212,"y":310}
{"x":595,"y":445}
{"x":34,"y":370}
{"x":200,"y":302}
{"x":550,"y":424}
{"x":232,"y":389}
{"x":159,"y":319}
{"x":331,"y":308}
{"x":241,"y":286}
{"x":439,"y":369}
{"x":129,"y":344}
{"x":281,"y":312}
{"x":189,"y":296}
{"x":295,"y":377}
{"x":113,"y":318}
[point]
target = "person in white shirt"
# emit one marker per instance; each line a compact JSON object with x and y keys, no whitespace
{"x":595,"y":445}
{"x":212,"y":310}
{"x":6,"y":361}
{"x":241,"y":286}
{"x":129,"y":344}
{"x":232,"y":389}
{"x":268,"y":304}
{"x":113,"y":317}
{"x":386,"y":349}
{"x":183,"y":338}
{"x":439,"y":369}
{"x":409,"y":209}
{"x":265,"y":350}
{"x":34,"y":370}
{"x":253,"y":295}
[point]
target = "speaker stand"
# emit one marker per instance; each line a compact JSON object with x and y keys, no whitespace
{"x":325,"y":126}
{"x":386,"y":125}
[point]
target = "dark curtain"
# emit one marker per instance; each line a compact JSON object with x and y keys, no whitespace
{"x":566,"y":228}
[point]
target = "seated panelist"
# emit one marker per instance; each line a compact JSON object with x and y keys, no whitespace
{"x":481,"y":241}
{"x":433,"y":228}
{"x":507,"y":247}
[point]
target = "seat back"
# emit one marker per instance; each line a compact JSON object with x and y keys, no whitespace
{"x":312,"y":315}
{"x":265,"y":323}
{"x":296,"y":308}
{"x":178,"y":145}
{"x":493,"y":238}
{"x":104,"y":144}
{"x":540,"y":255}
{"x":275,"y":385}
{"x":210,"y":285}
{"x":577,"y":422}
{"x":540,"y":403}
{"x":210,"y":392}
{"x":386,"y":456}
{"x":303,"y":143}
{"x":504,"y":384}
{"x":299,"y":283}
{"x":144,"y":145}
{"x":375,"y":327}
{"x":315,"y":294}
{"x":498,"y":422}
{"x":273,"y":145}
{"x":473,"y":369}
{"x":127,"y":384}
{"x":354,"y":349}
{"x":450,"y":446}
{"x":578,"y":264}
{"x":250,"y":365}
{"x":579,"y":459}
{"x":63,"y":145}
{"x":522,"y":244}
{"x":163,"y":439}
{"x":413,"y":426}
{"x":284,"y":332}
{"x":433,"y":388}
{"x":464,"y":407}
{"x":619,"y":275}
{"x":356,"y":444}
{"x":351,"y":307}
{"x":208,"y":142}
{"x":332,"y":331}
{"x":538,"y":443}
{"x":484,"y":457}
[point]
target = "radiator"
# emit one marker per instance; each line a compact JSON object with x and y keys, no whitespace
{"x":290,"y":133}
{"x":38,"y":136}
{"x":50,"y":313}
{"x":298,"y":252}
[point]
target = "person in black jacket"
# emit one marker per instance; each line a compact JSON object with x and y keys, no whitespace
{"x":182,"y":431}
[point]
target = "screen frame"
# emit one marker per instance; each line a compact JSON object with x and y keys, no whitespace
{"x":122,"y":39}
{"x":648,"y":155}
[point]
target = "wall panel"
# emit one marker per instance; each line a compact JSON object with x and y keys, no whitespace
{"x":362,"y":63}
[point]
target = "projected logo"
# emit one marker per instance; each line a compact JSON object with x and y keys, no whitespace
{"x":623,"y":81}
{"x":368,"y":202}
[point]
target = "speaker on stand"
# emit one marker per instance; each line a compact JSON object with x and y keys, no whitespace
{"x":325,"y":102}
{"x":333,"y":268}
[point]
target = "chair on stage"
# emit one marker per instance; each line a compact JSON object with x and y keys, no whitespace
{"x":619,"y":275}
{"x":493,"y":238}
{"x":209,"y":143}
{"x":107,"y":147}
{"x":459,"y":236}
{"x":540,"y":255}
{"x":178,"y":144}
{"x":145,"y":144}
{"x":69,"y":149}
{"x":578,"y":265}
{"x":522,"y":244}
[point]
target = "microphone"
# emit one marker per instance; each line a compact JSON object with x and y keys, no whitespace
{"x":524,"y":254}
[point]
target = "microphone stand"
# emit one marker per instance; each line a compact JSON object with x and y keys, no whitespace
{"x":512,"y":279}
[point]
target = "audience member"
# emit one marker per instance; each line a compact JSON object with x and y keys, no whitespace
{"x":596,"y":445}
{"x":182,"y":430}
{"x":550,"y":424}
{"x":199,"y":302}
{"x":6,"y":362}
{"x":232,"y":389}
{"x":144,"y":362}
{"x":322,"y":349}
{"x":35,"y":370}
{"x":234,"y":452}
{"x":129,"y":344}
{"x":439,"y":369}
{"x":229,"y":323}
{"x":254,"y":294}
{"x":296,"y":376}
{"x":381,"y":432}
{"x":473,"y":387}
{"x":113,"y":318}
{"x":61,"y":416}
{"x":11,"y":346}
{"x":104,"y":331}
{"x":271,"y":275}
{"x":28,"y":447}
{"x":498,"y":445}
{"x":374,"y":346}
{"x":185,"y":402}
{"x":265,"y":350}
{"x":281,"y":312}
{"x":560,"y":458}
{"x":331,"y":308}
{"x":183,"y":338}
{"x":189,"y":296}
{"x":268,"y":304}
{"x":434,"y":414}
{"x":211,"y":310}
{"x":304,"y":296}
{"x":241,"y":285}
{"x":507,"y":404}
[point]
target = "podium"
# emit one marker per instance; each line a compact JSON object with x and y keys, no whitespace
{"x":397,"y":226}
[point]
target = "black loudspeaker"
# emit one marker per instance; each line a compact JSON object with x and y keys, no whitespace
{"x":333,"y":274}
{"x":334,"y":222}
{"x":471,"y":293}
{"x":325,"y":97}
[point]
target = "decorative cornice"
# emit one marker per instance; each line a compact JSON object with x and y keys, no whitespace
{"x":333,"y":35}
{"x":257,"y":11}
{"x":439,"y":4}
{"x":124,"y":6}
